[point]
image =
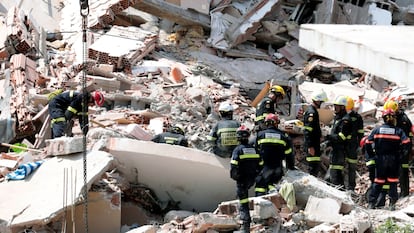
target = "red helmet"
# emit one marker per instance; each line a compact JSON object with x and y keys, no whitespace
{"x":98,"y":98}
{"x":363,"y":141}
{"x":243,"y":132}
{"x":272,"y":119}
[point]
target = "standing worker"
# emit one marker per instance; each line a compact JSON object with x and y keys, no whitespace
{"x":174,"y":136}
{"x":405,"y":124}
{"x":385,"y":144}
{"x":357,"y":134}
{"x":223,"y":134}
{"x":66,"y":105}
{"x":245,"y":164}
{"x":338,"y":138}
{"x":267,"y":105}
{"x":274,"y":146}
{"x":312,"y":132}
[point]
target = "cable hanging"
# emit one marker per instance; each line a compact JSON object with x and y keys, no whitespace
{"x":84,"y":12}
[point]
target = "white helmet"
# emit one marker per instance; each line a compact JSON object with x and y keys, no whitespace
{"x":225,"y":107}
{"x":319,"y":95}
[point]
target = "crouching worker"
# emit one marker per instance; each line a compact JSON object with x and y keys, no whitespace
{"x":69,"y":104}
{"x":274,"y":146}
{"x":244,"y":166}
{"x":174,"y":136}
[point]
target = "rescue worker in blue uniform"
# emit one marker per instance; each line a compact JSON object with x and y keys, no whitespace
{"x":69,"y":104}
{"x":268,"y":105}
{"x":405,"y":124}
{"x":223,"y":134}
{"x":338,"y":139}
{"x":245,"y":164}
{"x":312,"y":132}
{"x":386,"y":144}
{"x":274,"y":146}
{"x":174,"y":136}
{"x":357,"y":134}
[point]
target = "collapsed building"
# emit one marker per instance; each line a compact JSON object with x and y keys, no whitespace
{"x":251,"y":44}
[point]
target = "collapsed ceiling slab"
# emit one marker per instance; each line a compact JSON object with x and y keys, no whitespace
{"x":384,"y":51}
{"x":39,"y":198}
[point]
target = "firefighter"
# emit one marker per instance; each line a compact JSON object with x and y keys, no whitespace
{"x":223,"y":134}
{"x":65,"y":106}
{"x":174,"y":136}
{"x":357,"y":134}
{"x":338,"y":139}
{"x":245,"y":164}
{"x":405,"y":124}
{"x":267,"y":105}
{"x":312,"y":132}
{"x":385,"y":145}
{"x":274,"y":146}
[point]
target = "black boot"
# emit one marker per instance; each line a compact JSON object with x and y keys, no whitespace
{"x":245,"y":227}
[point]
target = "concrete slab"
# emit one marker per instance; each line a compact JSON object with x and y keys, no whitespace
{"x":197,"y":179}
{"x":39,"y":198}
{"x":384,"y":51}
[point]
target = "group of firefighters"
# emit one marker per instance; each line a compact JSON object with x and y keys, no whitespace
{"x":257,"y":154}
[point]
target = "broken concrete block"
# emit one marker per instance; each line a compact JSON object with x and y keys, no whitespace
{"x":323,"y":228}
{"x":356,"y":221}
{"x":143,"y":229}
{"x":320,"y":210}
{"x":64,"y":145}
{"x":264,"y":209}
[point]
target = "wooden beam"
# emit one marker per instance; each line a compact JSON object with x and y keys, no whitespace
{"x":173,"y":12}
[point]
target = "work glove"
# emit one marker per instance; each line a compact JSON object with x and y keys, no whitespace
{"x":234,"y":174}
{"x":68,"y":128}
{"x":68,"y":115}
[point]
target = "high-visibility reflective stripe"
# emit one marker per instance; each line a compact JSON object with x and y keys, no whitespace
{"x":379,"y":181}
{"x":288,"y":151}
{"x":351,"y":160}
{"x":250,"y":156}
{"x":82,"y":113}
{"x":235,"y":162}
{"x":387,"y":136}
{"x":393,"y":180}
{"x":371,"y":162}
{"x":406,"y":141}
{"x":271,"y":187}
{"x":349,"y":137}
{"x":369,"y":142}
{"x":386,"y":186}
{"x":308,"y":128}
{"x":170,"y":140}
{"x":342,"y":136}
{"x":223,"y":130}
{"x":313,"y":158}
{"x":71,"y":93}
{"x":405,"y":165}
{"x":410,"y":134}
{"x":59,"y":119}
{"x":272,"y":140}
{"x":336,"y":167}
{"x":245,"y":200}
{"x":360,"y":130}
{"x":259,"y":118}
{"x":260,"y":190}
{"x":72,"y":110}
{"x":211,"y":138}
{"x":261,"y":162}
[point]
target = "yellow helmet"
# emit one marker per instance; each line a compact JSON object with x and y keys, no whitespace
{"x":277,"y":89}
{"x":341,"y":100}
{"x":390,"y":104}
{"x":349,"y":103}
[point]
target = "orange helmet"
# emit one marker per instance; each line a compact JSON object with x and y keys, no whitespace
{"x":98,"y":98}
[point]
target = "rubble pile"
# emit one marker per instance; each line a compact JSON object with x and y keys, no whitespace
{"x":177,"y":66}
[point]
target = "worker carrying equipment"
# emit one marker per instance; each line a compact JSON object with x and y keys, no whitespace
{"x":65,"y":106}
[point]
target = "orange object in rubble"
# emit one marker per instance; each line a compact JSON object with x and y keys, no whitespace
{"x":176,"y":74}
